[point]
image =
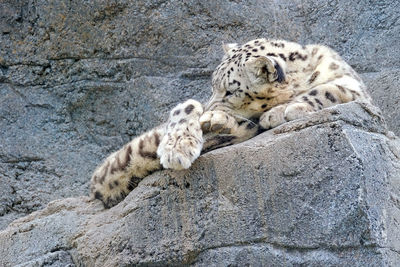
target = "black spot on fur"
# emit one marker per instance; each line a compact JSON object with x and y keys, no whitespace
{"x":177,"y":112}
{"x":308,"y":101}
{"x":341,"y":88}
{"x":182,"y":121}
{"x":115,"y":166}
{"x":249,"y":96}
{"x":355,"y":93}
{"x":283,"y":57}
{"x":111,"y":186}
{"x":146,"y":154}
{"x":262,"y":47}
{"x":296,"y":55}
{"x":127,"y":157}
{"x":264,"y":106}
{"x":179,"y":137}
{"x":313,"y":77}
{"x":104,"y":173}
{"x":333,"y":66}
{"x":292,"y":57}
{"x":156,"y":140}
{"x":237,"y":82}
{"x":319,"y":102}
{"x":313,"y":92}
{"x":189,"y":109}
{"x":330,"y":97}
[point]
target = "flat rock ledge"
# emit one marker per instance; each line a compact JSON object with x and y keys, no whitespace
{"x":321,"y":191}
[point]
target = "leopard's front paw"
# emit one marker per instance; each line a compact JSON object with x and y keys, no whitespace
{"x":178,"y":152}
{"x":218,"y":121}
{"x":298,"y":110}
{"x":183,"y":140}
{"x":273,"y":117}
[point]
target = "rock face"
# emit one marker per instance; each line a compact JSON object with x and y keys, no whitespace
{"x":78,"y":79}
{"x":322,"y":191}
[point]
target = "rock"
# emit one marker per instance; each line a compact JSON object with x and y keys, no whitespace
{"x":78,"y":79}
{"x":383,"y":87}
{"x":324,"y":190}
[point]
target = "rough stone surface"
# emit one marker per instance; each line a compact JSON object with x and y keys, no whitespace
{"x":384,"y":89}
{"x":322,"y":191}
{"x":80,"y":78}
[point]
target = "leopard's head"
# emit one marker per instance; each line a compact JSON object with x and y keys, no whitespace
{"x":243,"y":81}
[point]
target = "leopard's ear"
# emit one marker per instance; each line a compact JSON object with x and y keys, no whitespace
{"x":266,"y":69}
{"x":229,"y":47}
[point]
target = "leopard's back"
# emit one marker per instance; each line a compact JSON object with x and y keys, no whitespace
{"x":262,"y":75}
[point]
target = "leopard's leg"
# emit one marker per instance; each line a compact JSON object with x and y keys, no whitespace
{"x":222,"y":129}
{"x":315,"y":99}
{"x":273,"y":117}
{"x":178,"y":141}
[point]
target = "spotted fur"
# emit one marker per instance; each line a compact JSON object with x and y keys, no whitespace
{"x":175,"y":145}
{"x":275,"y":81}
{"x":258,"y":85}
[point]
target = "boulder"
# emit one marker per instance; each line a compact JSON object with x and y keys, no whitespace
{"x":320,"y":191}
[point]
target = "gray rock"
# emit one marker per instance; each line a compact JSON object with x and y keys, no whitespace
{"x":324,"y":190}
{"x":78,"y":79}
{"x":383,"y":87}
{"x":52,"y":259}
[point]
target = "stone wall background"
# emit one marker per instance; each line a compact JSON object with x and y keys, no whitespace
{"x":80,"y":78}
